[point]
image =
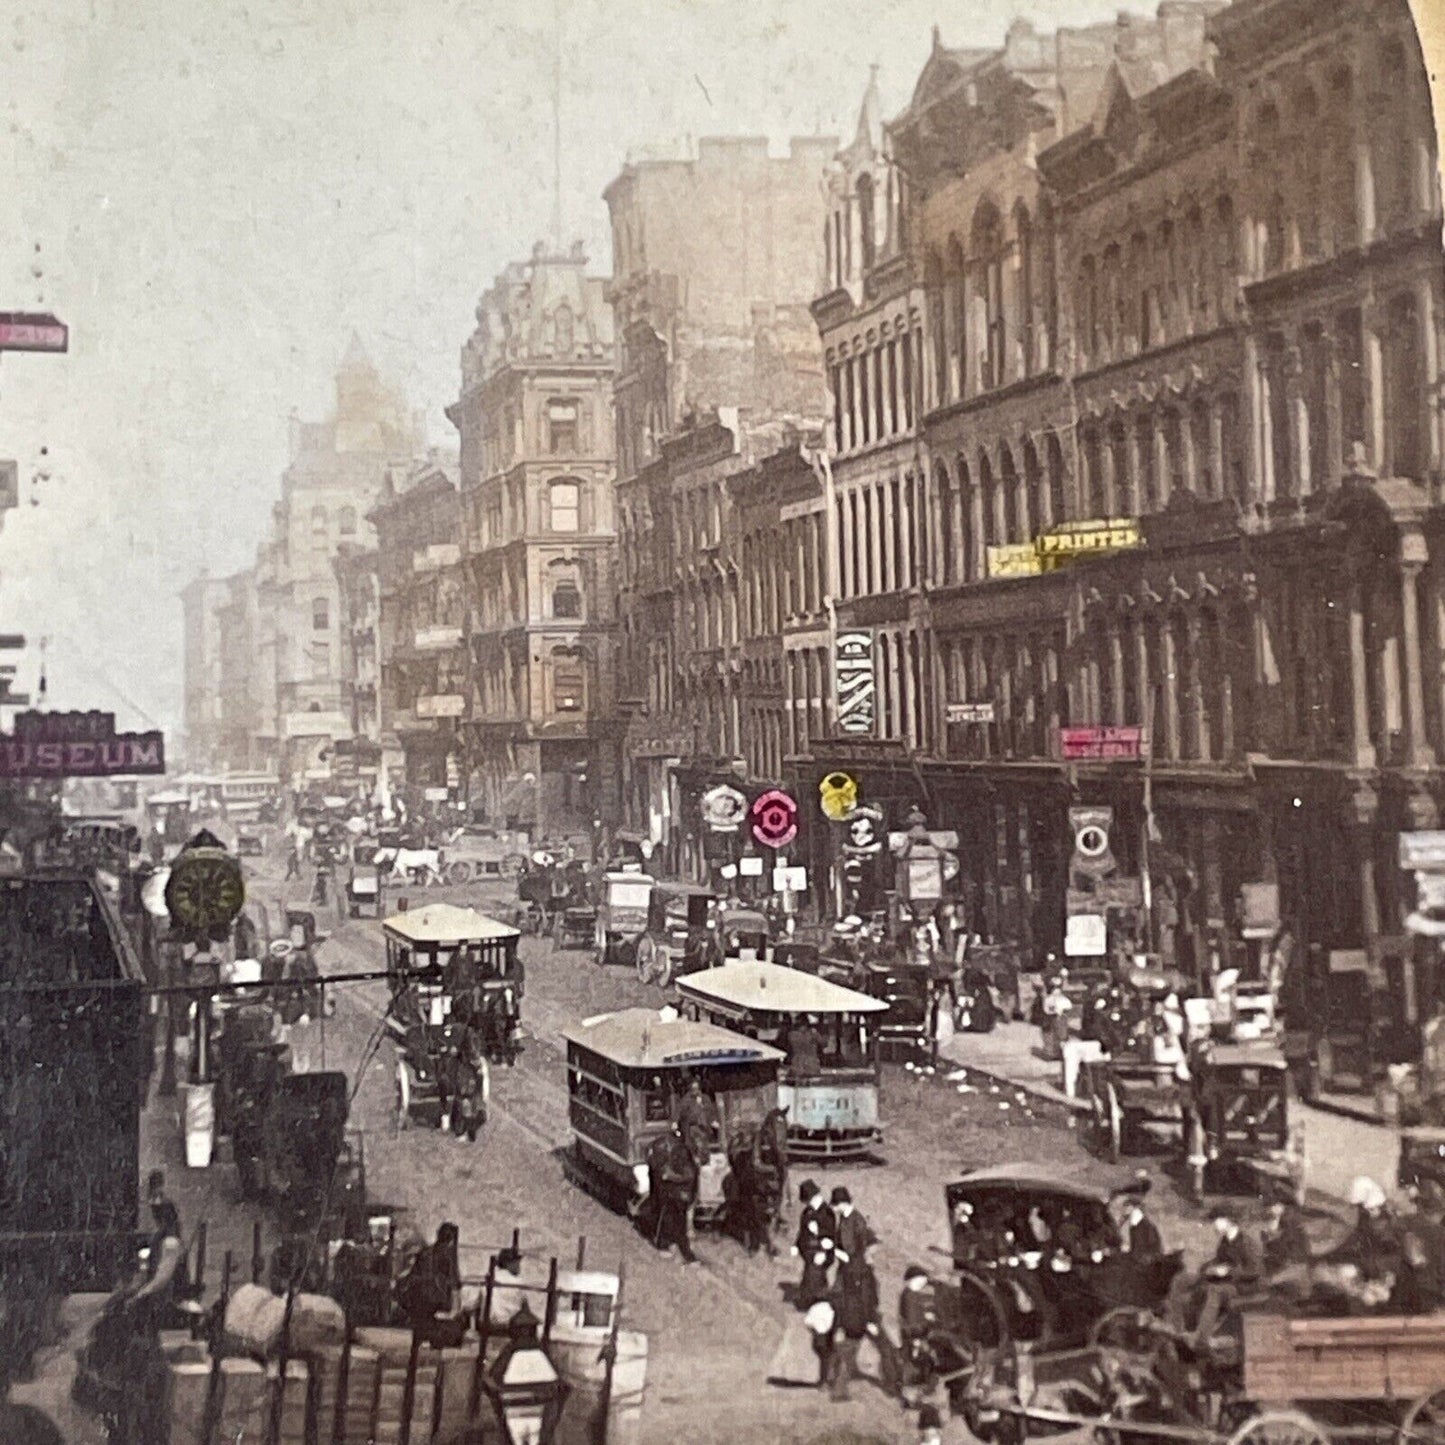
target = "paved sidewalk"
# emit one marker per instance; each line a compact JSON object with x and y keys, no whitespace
{"x":1339,"y":1147}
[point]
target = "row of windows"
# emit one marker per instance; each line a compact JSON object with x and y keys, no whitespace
{"x":873,"y":392}
{"x":499,"y":514}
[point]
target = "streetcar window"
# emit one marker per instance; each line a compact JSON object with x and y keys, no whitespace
{"x":656,"y":1106}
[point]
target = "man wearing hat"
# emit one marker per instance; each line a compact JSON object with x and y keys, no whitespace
{"x":814,"y":1244}
{"x":1138,"y":1234}
{"x":854,"y":1234}
{"x":917,"y":1321}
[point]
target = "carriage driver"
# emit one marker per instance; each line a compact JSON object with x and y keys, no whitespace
{"x":697,"y":1118}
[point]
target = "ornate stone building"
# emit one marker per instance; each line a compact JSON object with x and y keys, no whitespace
{"x":539,"y":539}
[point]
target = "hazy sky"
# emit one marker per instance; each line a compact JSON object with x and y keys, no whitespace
{"x":222,"y":191}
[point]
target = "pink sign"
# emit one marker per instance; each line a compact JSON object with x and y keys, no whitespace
{"x":1101,"y":744}
{"x":32,"y":331}
{"x":122,"y":753}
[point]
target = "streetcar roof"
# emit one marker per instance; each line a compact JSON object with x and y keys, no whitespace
{"x":774,"y":988}
{"x":1037,"y":1178}
{"x":446,"y":923}
{"x":1262,"y":1055}
{"x":641,"y":1038}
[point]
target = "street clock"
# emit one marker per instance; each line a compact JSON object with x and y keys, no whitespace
{"x":207,"y":889}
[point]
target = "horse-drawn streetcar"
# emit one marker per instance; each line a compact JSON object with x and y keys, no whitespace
{"x":628,"y":1076}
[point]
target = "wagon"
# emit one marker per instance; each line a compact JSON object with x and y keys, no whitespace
{"x":576,"y":927}
{"x":1126,"y":1094}
{"x":364,"y":891}
{"x":1302,"y":1382}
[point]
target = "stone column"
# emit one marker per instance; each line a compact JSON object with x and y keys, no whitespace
{"x":1253,"y":406}
{"x":1363,"y":748}
{"x":1364,"y":184}
{"x":1136,"y":464}
{"x":1106,"y":463}
{"x":877,"y":539}
{"x":1375,"y":388}
{"x":1413,"y":556}
{"x":1216,"y":449}
{"x":1194,"y":676}
{"x":1141,"y":668}
{"x":1334,"y":412}
{"x":1299,"y":416}
{"x":1161,"y":460}
{"x":1268,"y":482}
{"x":1367,"y":807}
{"x":1116,"y":674}
{"x":1170,"y":682}
{"x":1430,"y":364}
{"x":843,"y":532}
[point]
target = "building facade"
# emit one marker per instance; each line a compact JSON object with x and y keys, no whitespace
{"x":424,"y":681}
{"x":203,"y":603}
{"x":539,"y":537}
{"x":717,"y":354}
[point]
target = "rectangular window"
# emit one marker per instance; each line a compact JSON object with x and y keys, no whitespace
{"x":320,"y":614}
{"x":562,"y":428}
{"x":567,"y":686}
{"x":565,"y":506}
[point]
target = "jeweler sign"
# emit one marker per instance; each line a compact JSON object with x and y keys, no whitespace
{"x":969,"y":712}
{"x":853,"y":682}
{"x":78,"y":745}
{"x":1101,"y":744}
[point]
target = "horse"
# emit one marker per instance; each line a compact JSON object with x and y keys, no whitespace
{"x":756,"y":1184}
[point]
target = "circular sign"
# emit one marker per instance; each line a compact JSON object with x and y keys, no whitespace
{"x":775,"y":819}
{"x":1092,"y":841}
{"x":723,"y":808}
{"x":206,"y":890}
{"x":839,"y":794}
{"x":865,"y":831}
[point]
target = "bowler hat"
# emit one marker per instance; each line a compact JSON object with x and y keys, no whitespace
{"x":841,"y":1196}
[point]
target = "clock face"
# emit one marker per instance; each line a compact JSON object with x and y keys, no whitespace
{"x":205,"y":890}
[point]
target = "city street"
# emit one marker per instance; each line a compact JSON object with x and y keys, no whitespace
{"x":713,"y":1330}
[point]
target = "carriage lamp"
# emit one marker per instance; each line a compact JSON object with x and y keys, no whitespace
{"x":523,"y":1384}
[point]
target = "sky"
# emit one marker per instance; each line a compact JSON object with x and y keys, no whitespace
{"x":214,"y":195}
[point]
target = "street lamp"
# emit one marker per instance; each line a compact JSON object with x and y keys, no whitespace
{"x":523,"y":1384}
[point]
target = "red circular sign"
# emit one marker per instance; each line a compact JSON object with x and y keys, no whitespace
{"x":775,"y":819}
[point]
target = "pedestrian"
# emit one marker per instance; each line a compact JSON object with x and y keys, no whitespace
{"x":822,"y":1322}
{"x":1138,"y":1234}
{"x":673,"y":1176}
{"x":814,"y":1244}
{"x":856,"y":1302}
{"x":917,"y":1322}
{"x":854,"y":1234}
{"x":431,"y":1286}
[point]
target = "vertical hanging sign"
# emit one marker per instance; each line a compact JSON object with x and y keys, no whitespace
{"x":854,"y":683}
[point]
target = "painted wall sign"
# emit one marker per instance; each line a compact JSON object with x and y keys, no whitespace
{"x":853,"y":682}
{"x":1086,"y":935}
{"x":969,"y":712}
{"x":1101,"y":744}
{"x":1077,"y":539}
{"x":32,"y":331}
{"x":441,"y":704}
{"x":77,"y":745}
{"x":774,"y":817}
{"x":1014,"y":559}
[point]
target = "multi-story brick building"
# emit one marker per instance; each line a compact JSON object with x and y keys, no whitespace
{"x":1183,"y":272}
{"x":539,"y":537}
{"x":716,"y":260}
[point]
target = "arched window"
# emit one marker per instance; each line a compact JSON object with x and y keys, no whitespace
{"x":866,"y":219}
{"x":564,"y":506}
{"x":566,"y":598}
{"x":957,"y":290}
{"x":346,"y":521}
{"x":986,"y":247}
{"x":1141,"y":333}
{"x":1396,"y":125}
{"x":569,"y":680}
{"x":1086,"y":322}
{"x":1024,"y":229}
{"x":566,"y":328}
{"x":320,"y":614}
{"x":1113,"y":323}
{"x":990,"y":501}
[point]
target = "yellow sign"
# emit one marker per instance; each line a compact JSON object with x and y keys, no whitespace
{"x":839,"y":794}
{"x":1078,"y":539}
{"x":1016,"y":559}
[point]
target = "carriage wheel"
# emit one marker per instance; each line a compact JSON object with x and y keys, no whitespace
{"x":1280,"y":1427}
{"x":458,"y":873}
{"x":1425,"y":1421}
{"x":986,"y":1316}
{"x":1136,"y":1331}
{"x":403,"y":1094}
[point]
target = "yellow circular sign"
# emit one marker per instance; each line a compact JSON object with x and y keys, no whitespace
{"x":839,"y":794}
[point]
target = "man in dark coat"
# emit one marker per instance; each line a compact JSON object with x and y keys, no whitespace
{"x":673,"y":1174}
{"x":1138,"y":1234}
{"x":430,"y":1287}
{"x":1285,"y":1239}
{"x":814,"y":1244}
{"x":697,"y":1119}
{"x":856,"y":1300}
{"x":917,"y":1324}
{"x":854,"y":1233}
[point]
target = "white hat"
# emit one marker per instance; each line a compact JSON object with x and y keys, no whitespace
{"x":1366,"y":1194}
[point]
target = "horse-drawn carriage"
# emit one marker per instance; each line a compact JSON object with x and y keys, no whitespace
{"x":456,"y":994}
{"x":1038,"y":1258}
